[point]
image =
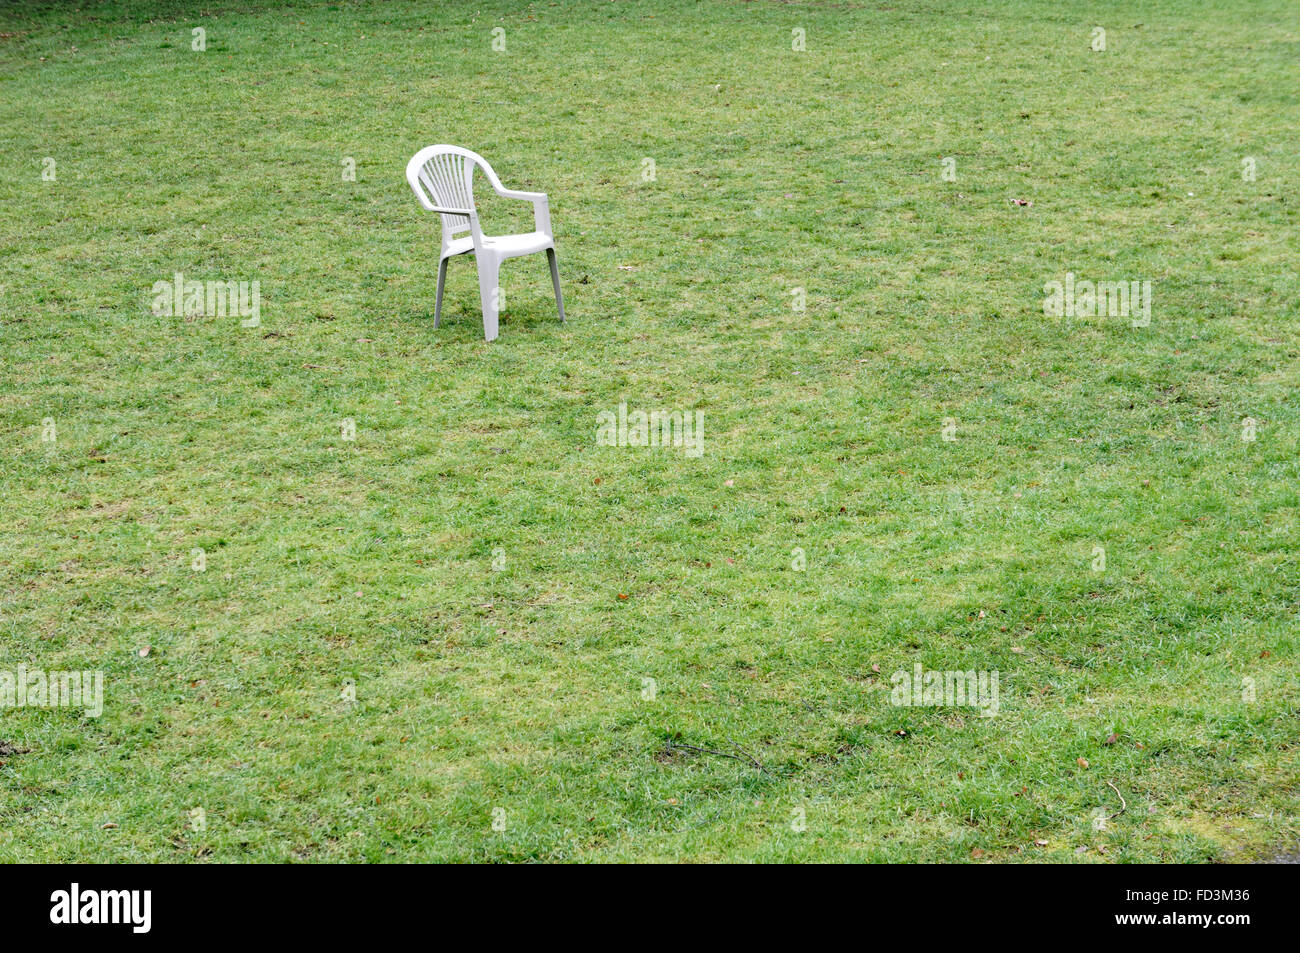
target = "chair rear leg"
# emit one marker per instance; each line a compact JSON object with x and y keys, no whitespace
{"x":442,"y":280}
{"x":555,"y":280}
{"x":489,"y":291}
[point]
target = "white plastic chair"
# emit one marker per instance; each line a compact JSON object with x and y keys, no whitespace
{"x":442,"y":178}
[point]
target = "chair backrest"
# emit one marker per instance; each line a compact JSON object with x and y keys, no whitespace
{"x":447,"y":173}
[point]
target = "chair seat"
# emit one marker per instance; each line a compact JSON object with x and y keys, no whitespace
{"x":506,"y":246}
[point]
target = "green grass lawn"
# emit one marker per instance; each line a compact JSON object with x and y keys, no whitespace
{"x":562,"y":650}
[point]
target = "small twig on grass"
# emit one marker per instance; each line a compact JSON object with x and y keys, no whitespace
{"x":744,"y":757}
{"x":1123,"y":803}
{"x":749,"y":757}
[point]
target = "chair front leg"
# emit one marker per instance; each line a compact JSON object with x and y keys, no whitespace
{"x":489,"y":290}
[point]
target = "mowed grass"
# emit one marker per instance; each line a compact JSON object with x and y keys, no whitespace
{"x":516,"y":697}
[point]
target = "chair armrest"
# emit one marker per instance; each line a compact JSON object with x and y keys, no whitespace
{"x":541,"y":206}
{"x":513,"y":194}
{"x":541,"y":212}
